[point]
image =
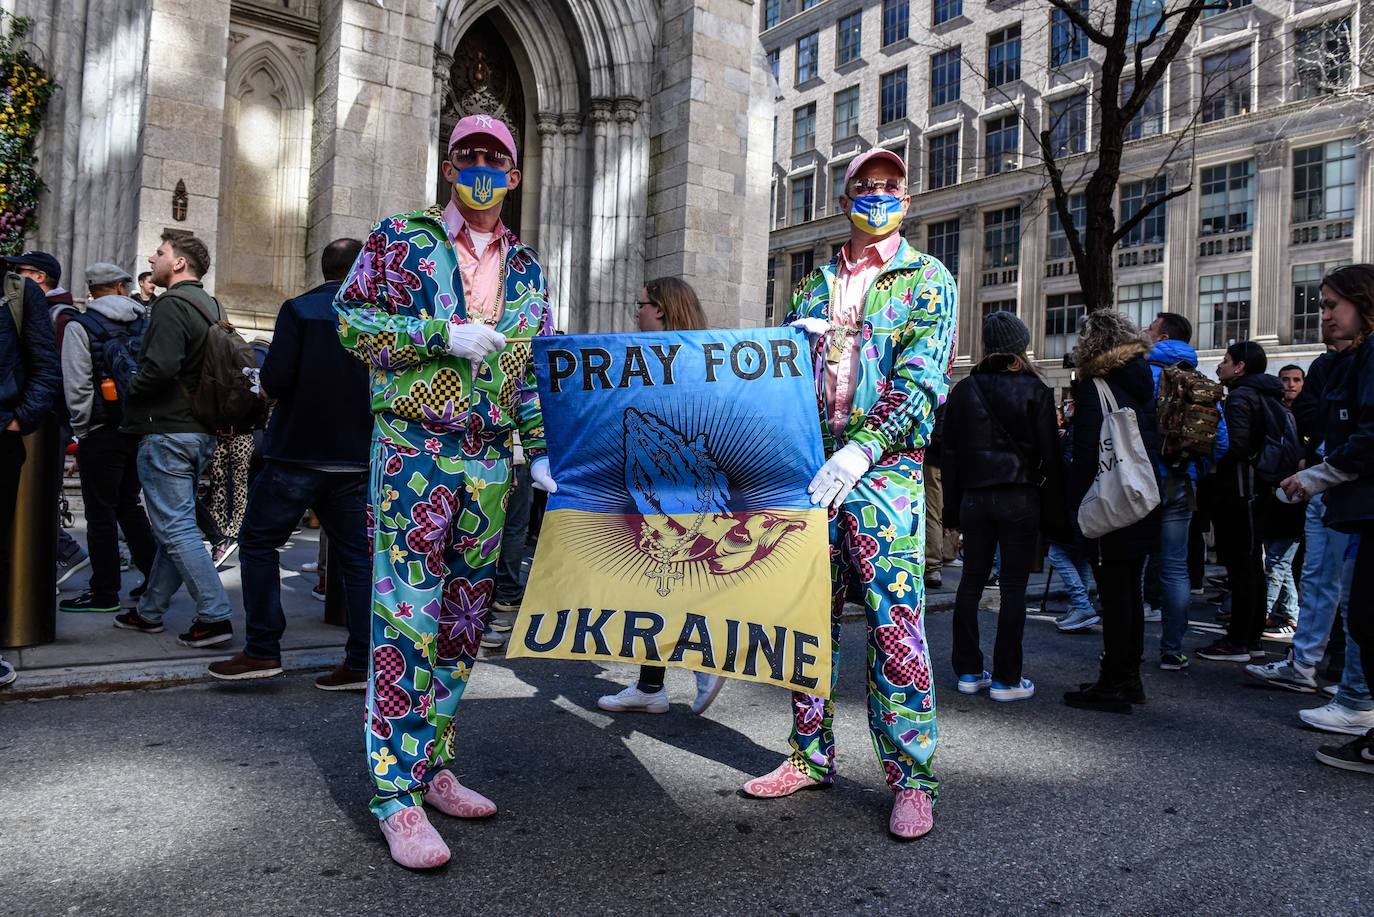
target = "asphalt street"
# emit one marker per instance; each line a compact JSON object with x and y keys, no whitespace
{"x":251,"y":799}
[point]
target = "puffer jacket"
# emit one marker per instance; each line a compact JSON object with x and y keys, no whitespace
{"x":30,"y":377}
{"x":1246,"y":424}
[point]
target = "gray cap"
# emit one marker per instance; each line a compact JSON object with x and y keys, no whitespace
{"x":1003,"y":332}
{"x":103,"y":272}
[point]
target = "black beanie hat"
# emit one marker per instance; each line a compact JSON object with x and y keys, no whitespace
{"x":1003,"y":332}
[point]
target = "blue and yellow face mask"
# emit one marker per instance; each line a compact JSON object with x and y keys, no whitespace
{"x":481,"y":187}
{"x":876,"y":214}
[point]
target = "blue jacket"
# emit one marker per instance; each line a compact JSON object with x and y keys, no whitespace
{"x":313,"y":377}
{"x":1171,"y":353}
{"x":30,"y":374}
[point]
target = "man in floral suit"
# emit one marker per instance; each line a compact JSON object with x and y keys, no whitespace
{"x":883,"y":316}
{"x":441,"y":304}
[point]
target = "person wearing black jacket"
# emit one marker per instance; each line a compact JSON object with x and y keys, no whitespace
{"x":315,"y":457}
{"x":1112,"y":349}
{"x":1000,"y":450}
{"x":1240,"y":511}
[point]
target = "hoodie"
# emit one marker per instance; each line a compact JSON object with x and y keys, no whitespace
{"x":78,"y":370}
{"x":1171,"y":353}
{"x":1245,"y":422}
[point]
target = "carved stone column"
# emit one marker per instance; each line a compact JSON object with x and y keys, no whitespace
{"x":551,"y":212}
{"x":626,"y":114}
{"x":1180,"y":248}
{"x":1270,"y":224}
{"x":1031,"y":273}
{"x":602,"y":224}
{"x":572,"y":242}
{"x":1364,"y":197}
{"x":970,"y":254}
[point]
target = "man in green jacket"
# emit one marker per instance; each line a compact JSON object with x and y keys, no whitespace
{"x":176,"y":448}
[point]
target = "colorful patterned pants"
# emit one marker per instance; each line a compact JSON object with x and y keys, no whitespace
{"x":877,"y":540}
{"x":436,"y":524}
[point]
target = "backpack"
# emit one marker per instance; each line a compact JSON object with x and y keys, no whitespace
{"x":1187,"y":414}
{"x":1281,"y":451}
{"x":115,"y":347}
{"x":1125,"y":490}
{"x":227,"y":399}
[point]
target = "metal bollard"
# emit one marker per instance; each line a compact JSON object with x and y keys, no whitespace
{"x":28,"y":609}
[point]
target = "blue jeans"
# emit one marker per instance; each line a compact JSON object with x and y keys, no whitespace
{"x":169,"y":465}
{"x":1353,"y":691}
{"x":1322,"y":585}
{"x":278,"y":497}
{"x":1281,"y":594}
{"x":1074,"y":571}
{"x":1174,"y":586}
{"x":509,"y":588}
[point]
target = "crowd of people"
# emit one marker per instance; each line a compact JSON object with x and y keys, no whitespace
{"x":396,"y":403}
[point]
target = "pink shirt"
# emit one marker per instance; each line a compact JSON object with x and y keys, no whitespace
{"x":852,"y":281}
{"x":481,"y":273}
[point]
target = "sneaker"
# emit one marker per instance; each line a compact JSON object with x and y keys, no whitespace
{"x":90,"y":602}
{"x":131,"y":621}
{"x":136,"y":593}
{"x":7,"y":675}
{"x":1217,"y":599}
{"x":1224,"y":650}
{"x":1076,"y":621}
{"x":67,"y":567}
{"x":934,"y":580}
{"x":1338,"y":718}
{"x":319,"y":591}
{"x":312,"y":566}
{"x":1222,"y":582}
{"x":1173,"y":662}
{"x":1153,"y":615}
{"x":223,"y":551}
{"x":1198,"y":590}
{"x":343,"y":679}
{"x":1279,"y":630}
{"x":1099,"y":697}
{"x":203,"y":634}
{"x":491,"y":641}
{"x":993,"y":581}
{"x":509,"y":608}
{"x":634,"y":700}
{"x":245,"y":668}
{"x":956,"y":562}
{"x":1331,"y":690}
{"x":1356,"y":755}
{"x":1286,"y":673}
{"x":708,"y":686}
{"x":1257,"y":652}
{"x":1023,"y":690}
{"x":972,"y":684}
{"x":502,"y":625}
{"x":125,"y":559}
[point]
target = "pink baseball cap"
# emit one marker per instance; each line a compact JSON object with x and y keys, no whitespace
{"x":483,"y":126}
{"x":858,"y":162}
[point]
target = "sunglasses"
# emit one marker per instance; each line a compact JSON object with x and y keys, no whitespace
{"x":463,"y":157}
{"x":874,"y":185}
{"x":641,"y":303}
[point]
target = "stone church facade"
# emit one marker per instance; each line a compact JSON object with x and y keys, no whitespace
{"x":270,"y":127}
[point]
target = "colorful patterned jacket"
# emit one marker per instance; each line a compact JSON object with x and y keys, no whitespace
{"x":906,"y":354}
{"x":394,"y":308}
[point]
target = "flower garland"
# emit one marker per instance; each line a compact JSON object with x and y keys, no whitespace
{"x":25,"y":90}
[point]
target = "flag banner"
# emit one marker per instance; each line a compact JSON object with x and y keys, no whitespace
{"x":681,"y":533}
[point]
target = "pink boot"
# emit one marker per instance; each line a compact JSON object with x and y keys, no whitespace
{"x":913,"y":815}
{"x":452,"y":798}
{"x":783,"y":780}
{"x":413,"y":841}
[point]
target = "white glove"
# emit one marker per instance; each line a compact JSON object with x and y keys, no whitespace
{"x":838,"y":476}
{"x":540,"y":477}
{"x":474,"y":341}
{"x":814,"y":327}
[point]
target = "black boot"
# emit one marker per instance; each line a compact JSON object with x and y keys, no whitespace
{"x":1100,"y":696}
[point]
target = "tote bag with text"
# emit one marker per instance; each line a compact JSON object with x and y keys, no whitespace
{"x":1125,"y":490}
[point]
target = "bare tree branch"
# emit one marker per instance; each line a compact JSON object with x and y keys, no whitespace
{"x":1145,"y":210}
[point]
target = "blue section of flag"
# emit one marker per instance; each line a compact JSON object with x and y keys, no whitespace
{"x":680,"y":422}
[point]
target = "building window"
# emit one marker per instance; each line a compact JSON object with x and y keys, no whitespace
{"x":1134,"y":196}
{"x":1217,"y":7}
{"x":1004,"y":55}
{"x":768,"y":290}
{"x":803,"y":199}
{"x":1145,"y":16}
{"x":1322,"y":56}
{"x":1002,"y":237}
{"x":1227,"y":200}
{"x":1140,"y":302}
{"x":1058,"y":243}
{"x":943,"y":11}
{"x":1307,"y":305}
{"x":804,"y":129}
{"x":802,"y":264}
{"x":1062,"y":314}
{"x":944,"y":160}
{"x":944,"y":77}
{"x":1149,"y":121}
{"x":846,"y":113}
{"x":1223,"y":309}
{"x":942,"y":244}
{"x":849,"y":33}
{"x":808,"y":57}
{"x":837,"y":174}
{"x":1069,"y":125}
{"x":1002,"y":143}
{"x":1226,"y":84}
{"x":1324,"y":181}
{"x":998,"y":305}
{"x":893,"y":96}
{"x":775,"y":63}
{"x":807,"y":4}
{"x":1067,"y":41}
{"x":772,"y":13}
{"x":896,"y":20}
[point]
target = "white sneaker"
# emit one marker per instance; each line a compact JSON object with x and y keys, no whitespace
{"x":1339,"y":718}
{"x":501,"y":625}
{"x":1286,"y":673}
{"x":634,"y":700}
{"x":1153,"y":615}
{"x":311,"y":567}
{"x":1022,"y":691}
{"x":509,"y":608}
{"x":708,"y":686}
{"x":1330,"y":690}
{"x":1077,"y":620}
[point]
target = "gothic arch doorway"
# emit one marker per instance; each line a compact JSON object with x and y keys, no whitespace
{"x":485,"y":80}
